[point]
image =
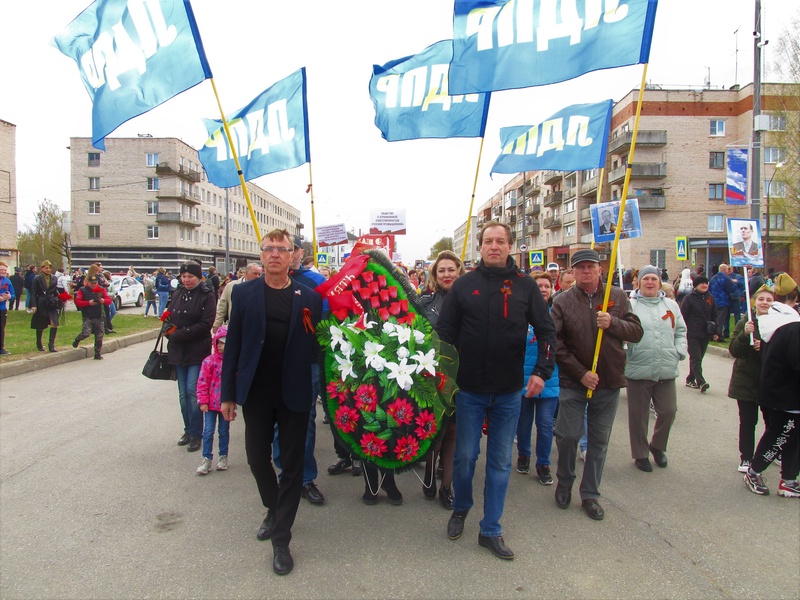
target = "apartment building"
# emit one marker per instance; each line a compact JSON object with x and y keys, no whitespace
{"x":678,"y":176}
{"x":8,"y":195}
{"x":471,"y":254}
{"x":147,"y":202}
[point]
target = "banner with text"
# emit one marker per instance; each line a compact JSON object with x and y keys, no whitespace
{"x":381,"y":242}
{"x":331,"y":235}
{"x":387,"y":221}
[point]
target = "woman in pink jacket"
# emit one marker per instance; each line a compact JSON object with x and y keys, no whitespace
{"x":208,"y":394}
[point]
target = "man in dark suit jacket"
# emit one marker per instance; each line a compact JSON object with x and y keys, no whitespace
{"x":270,"y":347}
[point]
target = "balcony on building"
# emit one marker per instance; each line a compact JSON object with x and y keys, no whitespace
{"x":550,"y":177}
{"x":654,"y":200}
{"x":511,"y":217}
{"x":552,"y":223}
{"x":532,"y":189}
{"x":639,"y":171}
{"x":552,"y":198}
{"x":569,"y":240}
{"x":589,"y":186}
{"x":645,"y":139}
{"x":570,"y":217}
{"x":166,"y":169}
{"x":533,"y":209}
{"x":510,"y":202}
{"x":586,"y":214}
{"x":533,"y":228}
{"x":570,"y":192}
{"x":183,"y":196}
{"x":169,"y":218}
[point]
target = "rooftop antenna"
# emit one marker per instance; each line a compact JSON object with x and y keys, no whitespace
{"x":707,"y":80}
{"x":736,"y":57}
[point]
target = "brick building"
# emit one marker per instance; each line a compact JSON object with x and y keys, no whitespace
{"x":8,"y":195}
{"x":678,"y":177}
{"x":146,"y":202}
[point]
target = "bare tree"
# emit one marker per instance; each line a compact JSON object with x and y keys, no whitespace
{"x":46,"y":239}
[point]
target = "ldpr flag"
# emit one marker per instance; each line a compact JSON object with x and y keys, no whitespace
{"x":132,"y":56}
{"x":508,"y":44}
{"x":412,"y":99}
{"x":270,"y":134}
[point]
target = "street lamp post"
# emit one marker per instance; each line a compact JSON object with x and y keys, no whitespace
{"x":766,"y":233}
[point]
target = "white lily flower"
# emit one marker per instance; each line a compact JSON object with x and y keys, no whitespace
{"x":369,"y":324}
{"x":378,"y":363}
{"x":402,"y":352}
{"x":401,"y":373}
{"x":388,"y":327}
{"x":419,"y":337}
{"x":372,"y":352}
{"x":426,"y":362}
{"x":403,"y":334}
{"x":346,"y":348}
{"x":336,"y":336}
{"x":345,"y":366}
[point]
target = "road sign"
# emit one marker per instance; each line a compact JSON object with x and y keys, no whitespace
{"x":523,"y":248}
{"x":681,"y":245}
{"x":322,"y":258}
{"x":694,"y":257}
{"x":537,"y":258}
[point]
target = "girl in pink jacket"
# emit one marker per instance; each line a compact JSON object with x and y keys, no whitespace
{"x":208,"y":393}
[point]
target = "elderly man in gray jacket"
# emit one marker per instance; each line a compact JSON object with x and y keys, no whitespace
{"x":652,"y":367}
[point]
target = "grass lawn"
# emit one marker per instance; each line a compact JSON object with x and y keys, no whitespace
{"x":20,"y":339}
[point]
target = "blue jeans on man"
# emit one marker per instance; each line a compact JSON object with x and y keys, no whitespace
{"x":210,"y":420}
{"x":542,"y":410}
{"x":187,"y":393}
{"x":163,"y":298}
{"x":502,"y":411}
{"x":309,"y":462}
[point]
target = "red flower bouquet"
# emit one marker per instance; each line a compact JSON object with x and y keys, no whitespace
{"x":168,"y":327}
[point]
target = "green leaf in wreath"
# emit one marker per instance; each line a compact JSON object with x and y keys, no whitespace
{"x":373,"y":427}
{"x":368,"y":416}
{"x":384,"y":435}
{"x":380,"y":414}
{"x":391,"y":423}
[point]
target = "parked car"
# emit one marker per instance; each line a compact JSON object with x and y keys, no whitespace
{"x":129,"y":291}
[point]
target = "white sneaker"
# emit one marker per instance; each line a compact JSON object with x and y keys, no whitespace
{"x":744,"y":466}
{"x":583,"y":455}
{"x":222,"y":463}
{"x":204,"y":467}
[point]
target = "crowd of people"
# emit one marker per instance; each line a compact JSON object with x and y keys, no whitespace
{"x":527,"y":355}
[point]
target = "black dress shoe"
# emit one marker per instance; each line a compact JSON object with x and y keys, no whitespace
{"x":194,"y":444}
{"x":563,"y":495}
{"x":312,"y":494}
{"x":496,"y":544}
{"x":340,"y":466}
{"x":446,"y":497}
{"x":395,"y":496}
{"x":358,"y":468}
{"x":659,"y":457}
{"x":267,"y":525}
{"x":455,"y":526}
{"x":593,"y":509}
{"x":643,"y":464}
{"x":282,"y":562}
{"x":184,"y":439}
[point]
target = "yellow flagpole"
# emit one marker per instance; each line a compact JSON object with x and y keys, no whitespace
{"x":599,"y":193}
{"x":618,"y":229}
{"x":471,"y":204}
{"x":313,"y":216}
{"x":256,"y":230}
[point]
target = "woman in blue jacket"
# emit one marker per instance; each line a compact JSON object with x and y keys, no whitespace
{"x":541,"y":408}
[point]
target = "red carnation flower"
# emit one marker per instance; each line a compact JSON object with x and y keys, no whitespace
{"x":164,"y":316}
{"x":392,"y":291}
{"x":345,"y":418}
{"x":406,"y":448}
{"x":394,"y":308}
{"x":384,"y":294}
{"x":367,"y":276}
{"x":401,"y":411}
{"x":373,"y":445}
{"x":366,"y":398}
{"x":382,"y":280}
{"x":375,"y":301}
{"x":338,"y":390}
{"x":383,"y":314}
{"x":427,"y":425}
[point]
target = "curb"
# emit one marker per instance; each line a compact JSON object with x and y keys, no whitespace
{"x":51,"y":359}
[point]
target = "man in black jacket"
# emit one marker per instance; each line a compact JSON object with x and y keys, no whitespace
{"x":486,"y":317}
{"x":698,"y":311}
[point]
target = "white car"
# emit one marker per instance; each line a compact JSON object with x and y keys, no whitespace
{"x":129,"y":291}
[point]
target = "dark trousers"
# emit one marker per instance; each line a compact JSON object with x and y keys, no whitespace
{"x":283,"y":497}
{"x":697,"y":350}
{"x":14,"y":303}
{"x":780,"y":439}
{"x":3,"y":319}
{"x":723,"y":318}
{"x":748,"y":420}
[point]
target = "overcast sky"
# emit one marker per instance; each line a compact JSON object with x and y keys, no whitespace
{"x":251,"y":44}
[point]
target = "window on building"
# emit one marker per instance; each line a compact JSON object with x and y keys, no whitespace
{"x":94,"y":159}
{"x":569,"y":206}
{"x":775,"y":189}
{"x":152,"y":208}
{"x":716,"y":160}
{"x":776,"y":221}
{"x":182,"y":233}
{"x":625,"y":128}
{"x":152,"y":159}
{"x":658,"y":258}
{"x":196,"y":235}
{"x":774,"y":155}
{"x":569,"y":230}
{"x":716,"y":222}
{"x":716,"y":191}
{"x":152,"y":184}
{"x":152,"y":232}
{"x":94,"y":207}
{"x":777,"y":123}
{"x":94,"y":232}
{"x":94,"y":183}
{"x":717,"y":127}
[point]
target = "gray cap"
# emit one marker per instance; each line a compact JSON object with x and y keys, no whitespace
{"x":649,"y":270}
{"x":298,"y":243}
{"x":583,"y":255}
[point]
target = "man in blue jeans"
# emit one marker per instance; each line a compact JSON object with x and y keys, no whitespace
{"x":486,"y":316}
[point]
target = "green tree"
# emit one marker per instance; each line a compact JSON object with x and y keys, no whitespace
{"x":46,"y":239}
{"x":446,"y":243}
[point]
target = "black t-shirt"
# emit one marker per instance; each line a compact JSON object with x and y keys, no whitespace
{"x":268,"y":378}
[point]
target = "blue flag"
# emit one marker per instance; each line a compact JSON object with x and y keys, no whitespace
{"x":508,"y":44}
{"x":270,"y":135}
{"x":412,"y":100}
{"x":132,"y":56}
{"x":575,"y":138}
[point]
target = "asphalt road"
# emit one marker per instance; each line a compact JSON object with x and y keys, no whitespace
{"x":97,"y":501}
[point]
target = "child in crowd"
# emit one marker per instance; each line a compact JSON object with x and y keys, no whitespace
{"x":90,"y":300}
{"x":208,"y":397}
